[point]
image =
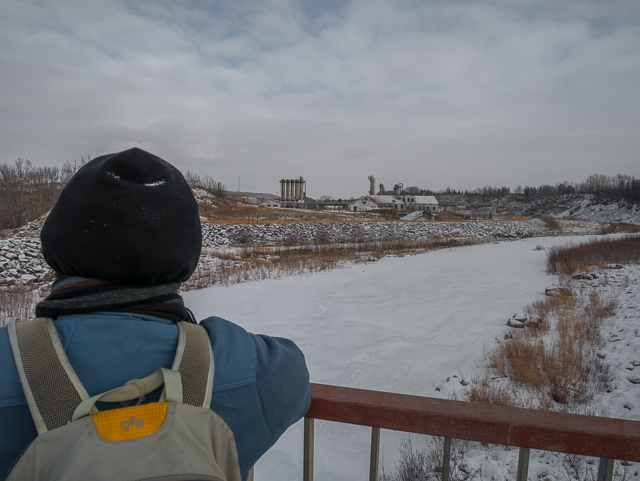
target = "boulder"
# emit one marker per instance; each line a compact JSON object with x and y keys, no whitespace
{"x":586,"y":276}
{"x":557,"y":291}
{"x":518,"y":320}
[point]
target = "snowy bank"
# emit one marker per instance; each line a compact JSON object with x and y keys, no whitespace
{"x":337,"y":232}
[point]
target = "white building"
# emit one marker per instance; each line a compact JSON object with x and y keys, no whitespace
{"x":362,"y":204}
{"x":399,"y":204}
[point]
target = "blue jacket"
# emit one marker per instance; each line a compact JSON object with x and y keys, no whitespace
{"x":261,"y":383}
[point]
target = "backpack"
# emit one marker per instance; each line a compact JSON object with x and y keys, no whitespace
{"x":176,"y":439}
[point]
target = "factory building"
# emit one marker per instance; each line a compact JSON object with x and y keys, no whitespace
{"x":398,"y":203}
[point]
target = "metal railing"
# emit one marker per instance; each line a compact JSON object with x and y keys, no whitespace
{"x":606,"y":438}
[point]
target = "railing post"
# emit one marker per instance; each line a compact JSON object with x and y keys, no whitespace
{"x":446,"y":459}
{"x":375,"y":454}
{"x":307,"y":468}
{"x":605,"y":470}
{"x":523,"y":464}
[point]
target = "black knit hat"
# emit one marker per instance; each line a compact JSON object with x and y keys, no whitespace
{"x":128,"y":217}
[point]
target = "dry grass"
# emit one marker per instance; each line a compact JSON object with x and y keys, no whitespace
{"x":225,"y":212}
{"x":424,"y":463}
{"x":555,"y":357}
{"x":552,"y":223}
{"x":619,"y":227}
{"x":567,"y":260}
{"x":488,"y":390}
{"x":242,"y":264}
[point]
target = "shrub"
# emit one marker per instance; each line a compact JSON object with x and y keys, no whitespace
{"x":567,"y":260}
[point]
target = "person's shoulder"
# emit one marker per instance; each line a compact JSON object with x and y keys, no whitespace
{"x":234,"y":353}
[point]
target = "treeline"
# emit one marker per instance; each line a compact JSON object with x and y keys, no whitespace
{"x":617,"y":187}
{"x":27,"y":191}
{"x":206,"y":182}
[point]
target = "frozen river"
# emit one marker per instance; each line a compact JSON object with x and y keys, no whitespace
{"x":399,"y":324}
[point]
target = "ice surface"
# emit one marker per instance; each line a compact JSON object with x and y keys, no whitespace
{"x":399,"y":324}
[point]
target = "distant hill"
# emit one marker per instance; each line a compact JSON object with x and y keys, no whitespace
{"x":564,"y":206}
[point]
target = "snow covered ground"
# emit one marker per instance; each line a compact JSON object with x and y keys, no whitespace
{"x":402,"y":325}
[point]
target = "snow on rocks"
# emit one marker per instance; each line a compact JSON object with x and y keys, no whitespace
{"x":557,"y":291}
{"x":586,"y":276}
{"x":621,"y":349}
{"x":518,"y":320}
{"x":334,"y":232}
{"x":21,"y":261}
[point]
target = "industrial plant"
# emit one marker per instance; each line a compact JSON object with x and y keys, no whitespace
{"x":293,"y":193}
{"x":395,"y":202}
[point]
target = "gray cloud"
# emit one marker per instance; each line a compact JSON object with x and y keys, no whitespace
{"x":430,"y":93}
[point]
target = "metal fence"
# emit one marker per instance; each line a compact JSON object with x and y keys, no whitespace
{"x":606,"y":438}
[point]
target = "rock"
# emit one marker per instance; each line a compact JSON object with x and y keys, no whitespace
{"x":557,"y":291}
{"x":518,"y":320}
{"x":586,"y":276}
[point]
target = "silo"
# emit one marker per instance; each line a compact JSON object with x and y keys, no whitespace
{"x":372,"y":185}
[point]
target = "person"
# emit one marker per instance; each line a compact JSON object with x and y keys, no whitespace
{"x":123,"y":235}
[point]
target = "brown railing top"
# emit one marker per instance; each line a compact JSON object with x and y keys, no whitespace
{"x":546,"y":430}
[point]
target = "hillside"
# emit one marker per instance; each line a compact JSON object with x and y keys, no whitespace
{"x":568,"y":206}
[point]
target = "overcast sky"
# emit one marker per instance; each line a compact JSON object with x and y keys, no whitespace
{"x":428,"y":93}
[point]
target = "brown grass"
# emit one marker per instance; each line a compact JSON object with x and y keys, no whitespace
{"x":554,"y":358}
{"x":552,"y":223}
{"x":487,"y":390}
{"x":225,"y":212}
{"x":619,"y":227}
{"x":567,"y":260}
{"x":424,"y":463}
{"x":242,"y":264}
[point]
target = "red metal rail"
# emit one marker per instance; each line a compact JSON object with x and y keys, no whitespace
{"x":549,"y":431}
{"x":606,"y":438}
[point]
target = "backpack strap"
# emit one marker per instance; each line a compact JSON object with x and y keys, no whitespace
{"x":39,"y":356}
{"x":194,"y":361}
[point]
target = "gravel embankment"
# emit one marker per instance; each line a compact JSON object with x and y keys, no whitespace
{"x":21,"y":260}
{"x":215,"y":235}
